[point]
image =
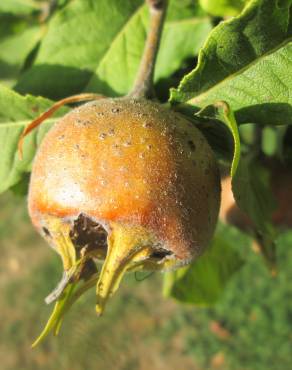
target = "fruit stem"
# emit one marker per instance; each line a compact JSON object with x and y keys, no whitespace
{"x":143,"y":87}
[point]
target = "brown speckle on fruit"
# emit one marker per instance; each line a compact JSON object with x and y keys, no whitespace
{"x":102,"y":136}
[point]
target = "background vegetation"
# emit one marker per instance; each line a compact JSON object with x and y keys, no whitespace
{"x":248,"y":329}
{"x":239,"y":52}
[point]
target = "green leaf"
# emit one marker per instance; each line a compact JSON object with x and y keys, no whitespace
{"x":10,"y":25}
{"x":221,"y":111}
{"x":204,"y":281}
{"x":270,"y":141}
{"x":117,"y":68}
{"x":182,"y":9}
{"x":19,"y":37}
{"x":19,"y":7}
{"x":246,"y":61}
{"x":219,"y":138}
{"x":78,"y":36}
{"x":223,"y":8}
{"x":252,"y":192}
{"x":180,"y":39}
{"x":97,"y":46}
{"x":21,"y":188}
{"x":16,"y":112}
{"x":14,"y":50}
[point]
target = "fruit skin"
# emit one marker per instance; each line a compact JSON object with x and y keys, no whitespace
{"x":130,"y":162}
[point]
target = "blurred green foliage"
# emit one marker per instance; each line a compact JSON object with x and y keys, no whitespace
{"x":249,"y":328}
{"x":58,"y":48}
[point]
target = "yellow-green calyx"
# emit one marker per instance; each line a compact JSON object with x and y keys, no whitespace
{"x":129,"y":248}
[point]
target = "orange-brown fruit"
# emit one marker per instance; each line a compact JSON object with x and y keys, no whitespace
{"x":127,"y":181}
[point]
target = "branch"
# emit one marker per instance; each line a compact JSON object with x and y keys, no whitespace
{"x":143,"y":87}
